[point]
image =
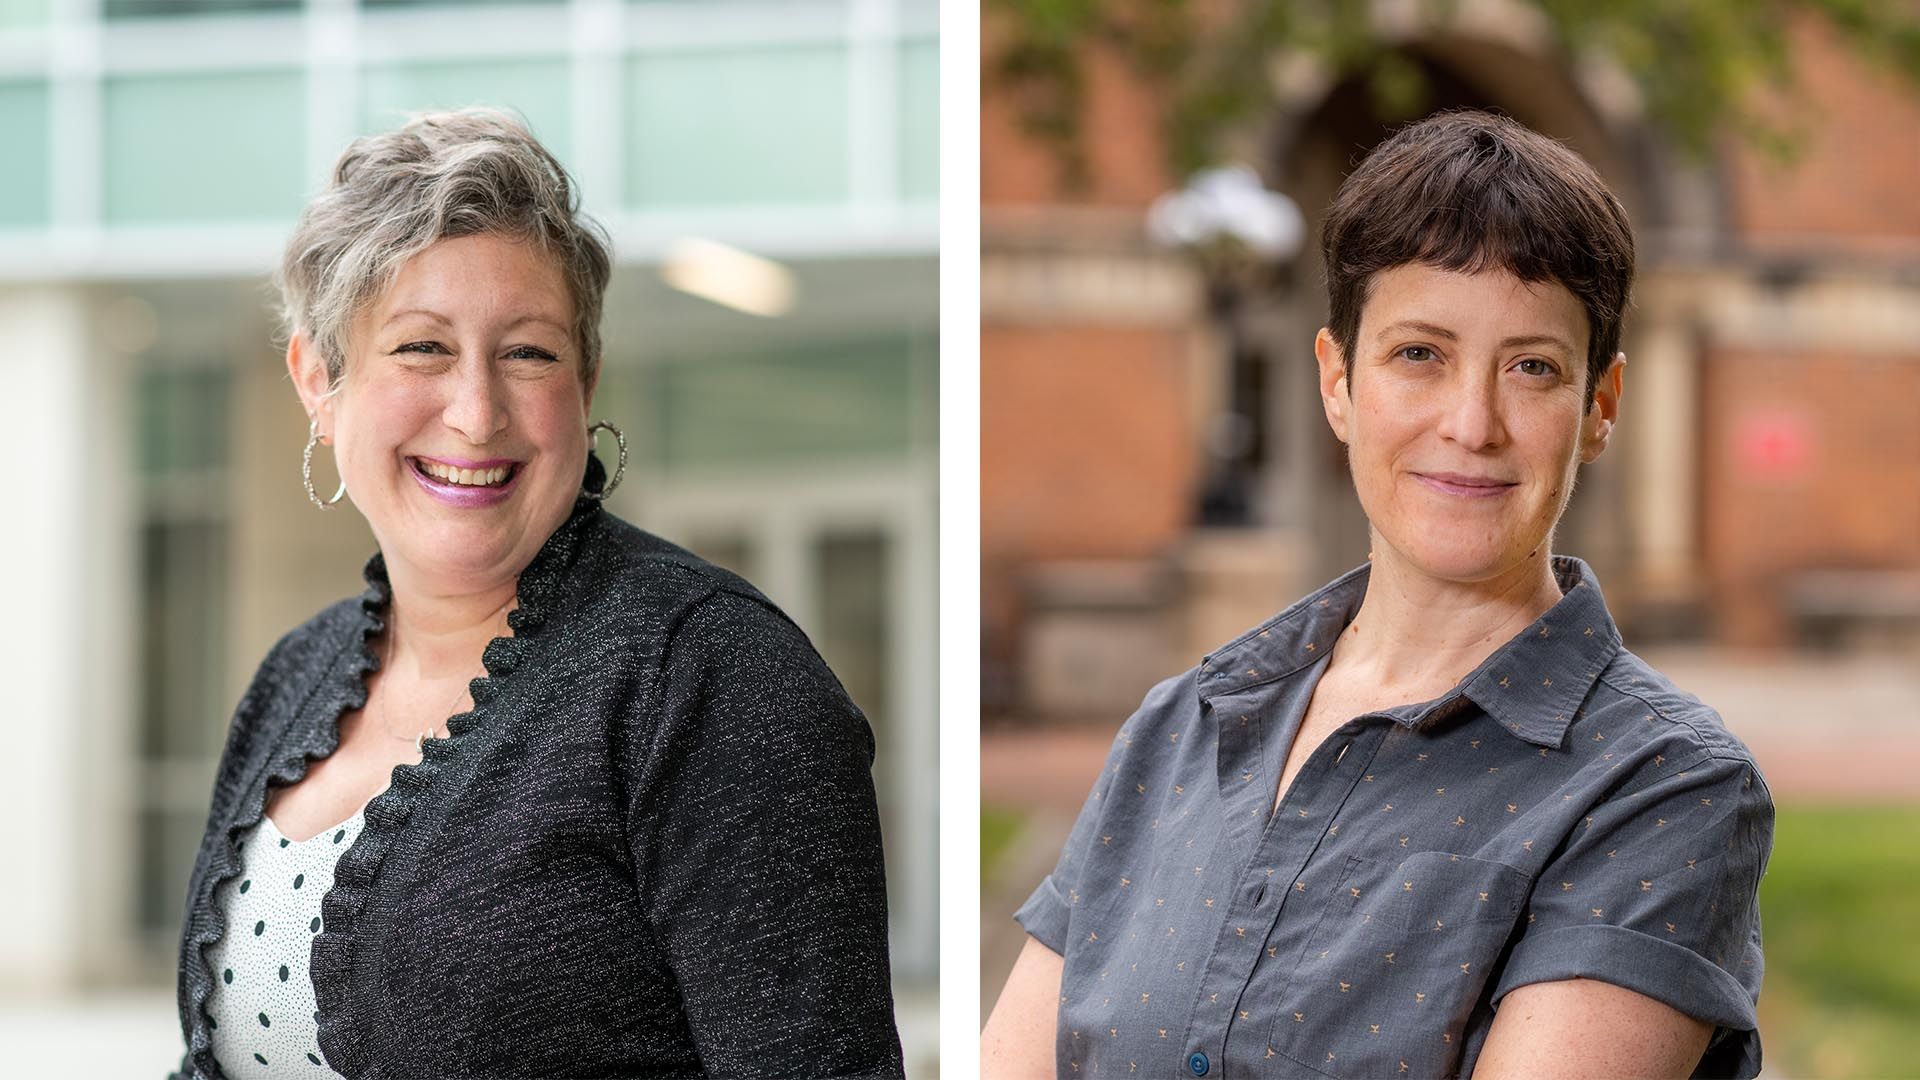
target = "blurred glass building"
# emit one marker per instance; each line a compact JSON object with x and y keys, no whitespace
{"x":153,"y":155}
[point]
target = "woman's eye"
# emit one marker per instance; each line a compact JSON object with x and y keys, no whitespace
{"x":1417,"y":353}
{"x":419,"y":346}
{"x":1535,"y":366}
{"x":531,"y":352}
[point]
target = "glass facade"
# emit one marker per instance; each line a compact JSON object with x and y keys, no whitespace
{"x":763,"y":125}
{"x":845,"y":402}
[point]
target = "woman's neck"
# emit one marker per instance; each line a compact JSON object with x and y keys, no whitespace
{"x":440,"y":635}
{"x":1422,"y":634}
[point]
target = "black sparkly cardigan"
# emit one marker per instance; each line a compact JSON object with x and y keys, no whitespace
{"x":651,"y":849}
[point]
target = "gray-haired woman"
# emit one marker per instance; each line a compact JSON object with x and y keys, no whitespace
{"x":552,"y":797}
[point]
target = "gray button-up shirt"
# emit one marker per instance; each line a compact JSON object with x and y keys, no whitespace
{"x":1564,"y":811}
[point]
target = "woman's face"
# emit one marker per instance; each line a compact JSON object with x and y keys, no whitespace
{"x":1465,"y":417}
{"x":468,"y":361}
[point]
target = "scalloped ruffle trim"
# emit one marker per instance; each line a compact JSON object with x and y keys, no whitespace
{"x":342,"y":1036}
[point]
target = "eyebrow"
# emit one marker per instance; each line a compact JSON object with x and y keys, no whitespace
{"x":444,"y":321}
{"x":1514,"y":342}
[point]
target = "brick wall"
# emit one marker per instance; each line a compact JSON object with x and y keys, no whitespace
{"x":1812,"y":460}
{"x":1086,"y":447}
{"x":1120,"y":132}
{"x":1855,"y":184}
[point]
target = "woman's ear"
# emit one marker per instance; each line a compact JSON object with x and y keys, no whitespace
{"x":309,"y":372}
{"x":1335,"y":395}
{"x":1596,"y":430}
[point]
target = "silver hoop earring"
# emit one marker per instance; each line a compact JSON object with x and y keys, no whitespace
{"x":306,"y":470}
{"x":619,"y":470}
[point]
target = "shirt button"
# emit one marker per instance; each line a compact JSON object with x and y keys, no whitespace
{"x":1198,"y":1063}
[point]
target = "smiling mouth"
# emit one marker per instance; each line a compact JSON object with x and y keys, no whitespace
{"x":499,"y":476}
{"x":1465,"y":486}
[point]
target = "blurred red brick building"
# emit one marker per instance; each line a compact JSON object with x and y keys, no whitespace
{"x":1764,"y":488}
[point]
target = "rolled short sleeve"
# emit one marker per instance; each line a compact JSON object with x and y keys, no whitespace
{"x":1657,"y":891}
{"x":1048,"y":911}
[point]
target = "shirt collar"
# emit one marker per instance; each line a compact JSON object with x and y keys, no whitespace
{"x":1532,"y":685}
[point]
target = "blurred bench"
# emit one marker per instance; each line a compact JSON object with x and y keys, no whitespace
{"x":1832,"y":609}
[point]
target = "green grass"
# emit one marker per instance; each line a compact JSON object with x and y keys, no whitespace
{"x":998,"y":830}
{"x":1840,"y":915}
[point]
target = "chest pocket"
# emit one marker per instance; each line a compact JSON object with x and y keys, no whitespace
{"x":1396,"y":964}
{"x":1435,"y":890}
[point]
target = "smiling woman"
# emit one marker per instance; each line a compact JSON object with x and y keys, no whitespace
{"x":472,"y":346}
{"x":552,"y":797}
{"x":1473,"y":420}
{"x":1433,"y":819}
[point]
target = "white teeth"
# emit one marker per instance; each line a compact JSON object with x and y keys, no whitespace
{"x":468,"y":477}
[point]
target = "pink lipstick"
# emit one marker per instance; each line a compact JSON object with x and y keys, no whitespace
{"x":467,"y":496}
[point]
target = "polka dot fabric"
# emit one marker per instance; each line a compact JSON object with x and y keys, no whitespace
{"x":262,"y":1002}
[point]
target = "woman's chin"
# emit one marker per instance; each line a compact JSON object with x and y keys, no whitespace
{"x":459,"y":552}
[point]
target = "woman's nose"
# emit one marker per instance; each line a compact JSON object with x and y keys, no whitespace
{"x":1470,"y":416}
{"x":476,"y":407}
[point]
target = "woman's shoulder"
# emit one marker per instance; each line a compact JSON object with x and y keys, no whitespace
{"x":654,"y":587}
{"x":1637,"y":693}
{"x":705,"y":636}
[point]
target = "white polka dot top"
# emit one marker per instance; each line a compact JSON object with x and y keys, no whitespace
{"x":261,"y":1009}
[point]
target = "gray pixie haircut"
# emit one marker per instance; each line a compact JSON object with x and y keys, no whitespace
{"x":443,"y":175}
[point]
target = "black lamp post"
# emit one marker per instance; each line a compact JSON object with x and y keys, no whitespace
{"x":1238,"y":231}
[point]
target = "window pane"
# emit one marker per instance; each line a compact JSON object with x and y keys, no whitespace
{"x":853,"y":616}
{"x":183,"y":641}
{"x":168,"y":842}
{"x":15,"y":14}
{"x":183,"y":705}
{"x":920,"y":120}
{"x":853,"y":636}
{"x":719,"y":128}
{"x":225,"y":147}
{"x":182,"y":421}
{"x":536,"y":89}
{"x":829,"y":403}
{"x":120,"y":9}
{"x":24,"y":132}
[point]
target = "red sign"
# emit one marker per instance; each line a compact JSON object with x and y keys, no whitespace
{"x":1773,"y":445}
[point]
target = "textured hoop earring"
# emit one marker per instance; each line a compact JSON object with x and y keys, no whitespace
{"x":619,"y":470}
{"x":306,"y":470}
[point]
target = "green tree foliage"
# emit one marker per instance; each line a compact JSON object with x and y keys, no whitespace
{"x":1701,"y":66}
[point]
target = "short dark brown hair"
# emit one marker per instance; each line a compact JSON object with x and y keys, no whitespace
{"x":1469,"y":191}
